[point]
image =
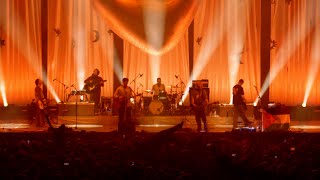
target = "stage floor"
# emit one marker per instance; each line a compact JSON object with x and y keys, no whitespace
{"x":144,"y":123}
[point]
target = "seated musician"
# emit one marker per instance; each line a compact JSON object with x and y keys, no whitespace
{"x":93,"y":86}
{"x":158,"y":89}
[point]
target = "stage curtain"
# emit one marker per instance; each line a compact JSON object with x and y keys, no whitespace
{"x":165,"y":66}
{"x":152,"y":25}
{"x":295,"y":28}
{"x":227,"y":35}
{"x":20,"y":57}
{"x":79,"y":42}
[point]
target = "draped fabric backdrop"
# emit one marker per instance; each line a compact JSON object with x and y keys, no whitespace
{"x":226,"y":48}
{"x":72,"y":55}
{"x":20,"y":58}
{"x":174,"y":62}
{"x":295,"y":25}
{"x":228,"y":29}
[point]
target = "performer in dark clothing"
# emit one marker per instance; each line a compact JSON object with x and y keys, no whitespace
{"x":122,"y":97}
{"x":40,"y":103}
{"x":199,"y":101}
{"x":239,"y":104}
{"x":93,"y":86}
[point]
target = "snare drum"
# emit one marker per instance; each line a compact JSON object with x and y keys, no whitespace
{"x":156,"y":107}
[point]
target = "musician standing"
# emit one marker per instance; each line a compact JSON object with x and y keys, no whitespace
{"x":239,"y":104}
{"x":40,"y":102}
{"x":123,"y":94}
{"x":158,"y":88}
{"x":93,"y":86}
{"x":199,"y":101}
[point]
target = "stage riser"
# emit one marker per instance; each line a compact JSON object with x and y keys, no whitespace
{"x":227,"y":110}
{"x":73,"y":109}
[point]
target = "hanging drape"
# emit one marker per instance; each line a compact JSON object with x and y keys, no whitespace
{"x":295,"y":28}
{"x":166,"y":66}
{"x":79,"y":42}
{"x":20,"y":56}
{"x":227,"y":41}
{"x":142,"y":22}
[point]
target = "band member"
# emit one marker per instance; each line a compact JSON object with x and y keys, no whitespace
{"x":239,"y":104}
{"x":93,"y":86}
{"x":123,"y":94}
{"x":40,"y":102}
{"x":158,"y":89}
{"x":199,"y":101}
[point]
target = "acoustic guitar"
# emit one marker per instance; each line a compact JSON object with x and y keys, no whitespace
{"x":89,"y":86}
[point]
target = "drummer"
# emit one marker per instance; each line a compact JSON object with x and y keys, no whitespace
{"x":158,"y":89}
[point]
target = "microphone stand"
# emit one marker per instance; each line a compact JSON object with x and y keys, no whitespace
{"x":65,"y":87}
{"x":259,"y":106}
{"x":134,"y":81}
{"x":141,"y":97}
{"x":181,"y":89}
{"x":134,"y":87}
{"x":76,"y":108}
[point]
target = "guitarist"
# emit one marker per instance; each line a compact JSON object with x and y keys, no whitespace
{"x":199,"y":101}
{"x":123,"y":94}
{"x":239,"y":104}
{"x":40,"y":102}
{"x":93,"y":86}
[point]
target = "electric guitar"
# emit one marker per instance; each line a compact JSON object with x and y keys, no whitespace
{"x":89,"y":87}
{"x":42,"y":104}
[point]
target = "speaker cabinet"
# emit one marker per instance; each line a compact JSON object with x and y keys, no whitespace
{"x":72,"y":109}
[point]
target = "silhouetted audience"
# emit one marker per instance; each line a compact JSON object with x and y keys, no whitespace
{"x":179,"y":155}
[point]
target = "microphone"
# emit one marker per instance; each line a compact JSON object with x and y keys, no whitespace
{"x":176,"y":76}
{"x":141,"y":85}
{"x":140,"y":75}
{"x":54,"y":80}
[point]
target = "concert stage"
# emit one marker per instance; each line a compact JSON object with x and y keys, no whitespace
{"x":108,"y":123}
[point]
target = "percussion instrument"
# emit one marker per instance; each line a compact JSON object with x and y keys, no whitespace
{"x":162,"y":95}
{"x":156,"y":107}
{"x":146,"y":102}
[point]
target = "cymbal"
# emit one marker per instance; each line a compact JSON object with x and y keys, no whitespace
{"x":148,"y":91}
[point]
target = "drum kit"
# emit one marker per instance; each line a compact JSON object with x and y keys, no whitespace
{"x":164,"y":102}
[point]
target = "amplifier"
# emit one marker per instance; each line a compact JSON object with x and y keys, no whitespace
{"x":205,"y":83}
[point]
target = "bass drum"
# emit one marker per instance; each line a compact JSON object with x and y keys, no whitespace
{"x":156,"y":107}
